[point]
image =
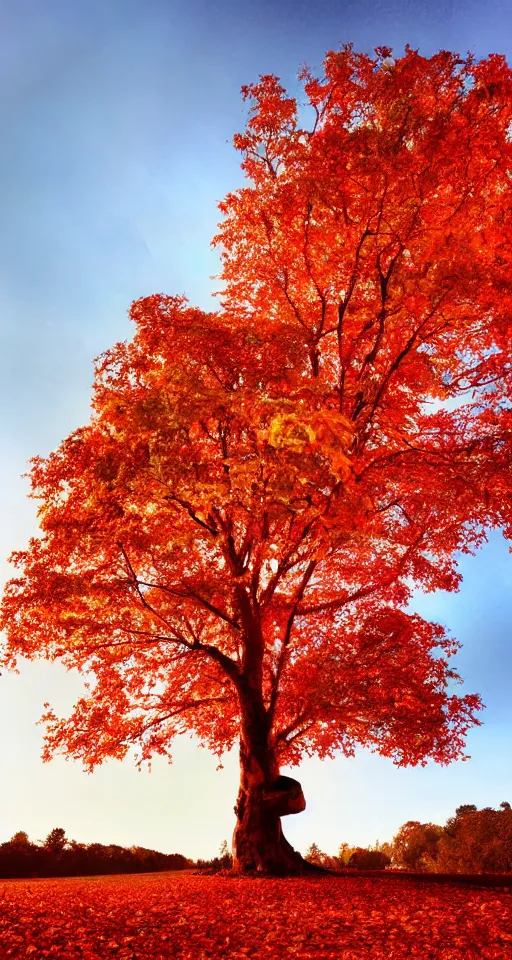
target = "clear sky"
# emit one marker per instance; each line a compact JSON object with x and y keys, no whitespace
{"x":117,"y":119}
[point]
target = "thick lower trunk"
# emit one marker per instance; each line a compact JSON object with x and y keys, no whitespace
{"x":259,"y":845}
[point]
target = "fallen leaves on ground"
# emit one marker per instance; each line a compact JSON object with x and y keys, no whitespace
{"x":161,"y":916}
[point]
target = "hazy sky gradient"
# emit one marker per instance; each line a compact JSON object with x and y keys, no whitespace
{"x":117,"y":119}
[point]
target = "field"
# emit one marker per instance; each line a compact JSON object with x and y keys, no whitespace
{"x":160,"y":916}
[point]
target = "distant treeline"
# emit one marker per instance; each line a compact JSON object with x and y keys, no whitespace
{"x":219,"y":864}
{"x":59,"y":857}
{"x":472,"y":842}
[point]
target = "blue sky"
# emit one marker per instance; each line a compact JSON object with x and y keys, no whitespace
{"x":117,"y":121}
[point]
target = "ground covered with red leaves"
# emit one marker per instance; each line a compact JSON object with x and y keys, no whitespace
{"x":161,"y":916}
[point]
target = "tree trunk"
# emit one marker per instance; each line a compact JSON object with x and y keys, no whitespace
{"x":259,"y":845}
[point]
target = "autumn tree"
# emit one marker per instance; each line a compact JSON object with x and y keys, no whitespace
{"x":477,"y":841}
{"x":345,"y":852}
{"x":314,"y":854}
{"x":415,"y":846}
{"x":365,"y":859}
{"x":225,"y":856}
{"x":230,"y":545}
{"x":19,"y":856}
{"x":56,"y":841}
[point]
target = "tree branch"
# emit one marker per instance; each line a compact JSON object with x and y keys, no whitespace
{"x":137,"y":584}
{"x":191,"y":512}
{"x":308,"y":573}
{"x":192,"y":705}
{"x":229,"y":666}
{"x":188,"y":592}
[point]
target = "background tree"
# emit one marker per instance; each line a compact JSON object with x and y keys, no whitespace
{"x":56,"y":841}
{"x":477,"y":841}
{"x":229,"y":546}
{"x":20,"y":839}
{"x":318,"y":858}
{"x":345,"y":851}
{"x":57,"y":856}
{"x":19,"y":857}
{"x":385,"y":848}
{"x":366,"y":859}
{"x":314,"y":854}
{"x":225,"y":856}
{"x":415,"y":846}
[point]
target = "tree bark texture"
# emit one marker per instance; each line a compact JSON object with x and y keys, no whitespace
{"x":265,"y":796}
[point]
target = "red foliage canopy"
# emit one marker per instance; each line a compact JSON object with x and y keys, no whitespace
{"x":259,"y":491}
